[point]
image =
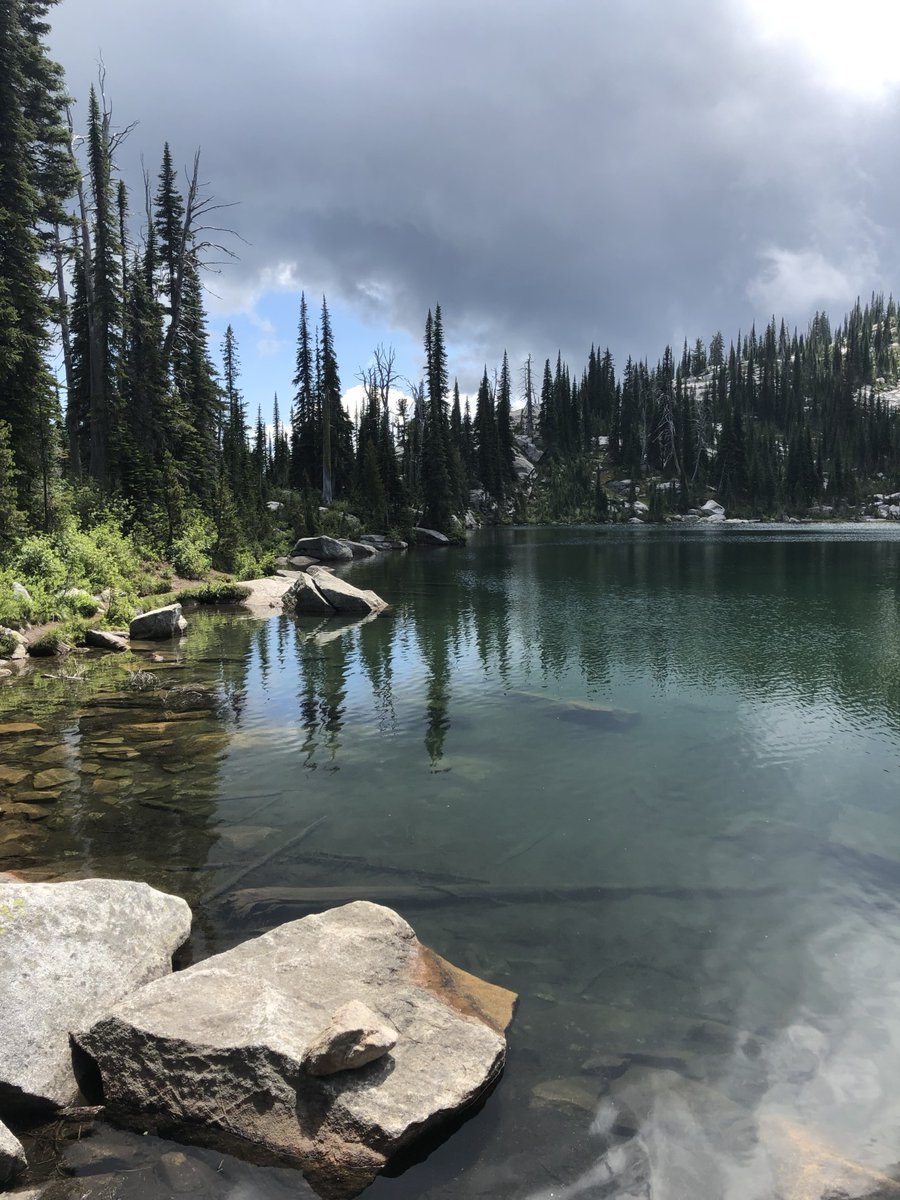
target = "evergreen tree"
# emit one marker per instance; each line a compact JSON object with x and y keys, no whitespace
{"x":34,"y":181}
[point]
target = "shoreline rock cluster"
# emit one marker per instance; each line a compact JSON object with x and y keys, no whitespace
{"x":326,"y":1044}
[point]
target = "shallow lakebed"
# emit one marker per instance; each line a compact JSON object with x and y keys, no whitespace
{"x":646,"y":778}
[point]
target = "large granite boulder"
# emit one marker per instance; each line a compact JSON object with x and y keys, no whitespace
{"x":69,"y":952}
{"x":12,"y":1156}
{"x":215,"y":1054}
{"x":323,"y":549}
{"x":303,"y":599}
{"x":158,"y":624}
{"x":343,"y":596}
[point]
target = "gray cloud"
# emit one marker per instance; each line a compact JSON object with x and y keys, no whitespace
{"x":555,"y":174}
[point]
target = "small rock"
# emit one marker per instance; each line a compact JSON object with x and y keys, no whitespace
{"x":161,"y":623}
{"x":353,"y":1037}
{"x":12,"y":1156}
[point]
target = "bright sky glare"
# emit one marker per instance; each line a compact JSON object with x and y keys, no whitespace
{"x":855,"y":46}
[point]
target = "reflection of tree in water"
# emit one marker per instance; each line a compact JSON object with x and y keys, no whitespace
{"x":322,"y":661}
{"x":376,"y":653}
{"x":438,"y":635}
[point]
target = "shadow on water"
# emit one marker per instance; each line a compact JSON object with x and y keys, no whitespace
{"x":663,"y":765}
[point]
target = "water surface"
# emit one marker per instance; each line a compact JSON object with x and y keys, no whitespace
{"x":646,"y":778}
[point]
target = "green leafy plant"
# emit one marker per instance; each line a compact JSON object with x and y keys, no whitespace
{"x":215,"y":592}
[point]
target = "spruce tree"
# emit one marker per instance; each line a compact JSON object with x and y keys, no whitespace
{"x":34,"y":181}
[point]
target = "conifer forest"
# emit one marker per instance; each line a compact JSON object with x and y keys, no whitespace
{"x":141,"y":432}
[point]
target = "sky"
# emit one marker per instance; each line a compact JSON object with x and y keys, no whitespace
{"x":625,"y":173}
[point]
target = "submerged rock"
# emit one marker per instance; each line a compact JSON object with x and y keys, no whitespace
{"x":323,"y":549}
{"x":214,"y":1054}
{"x":12,"y":1156}
{"x":158,"y":624}
{"x":70,"y":951}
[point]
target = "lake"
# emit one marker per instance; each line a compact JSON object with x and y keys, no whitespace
{"x":645,"y":777}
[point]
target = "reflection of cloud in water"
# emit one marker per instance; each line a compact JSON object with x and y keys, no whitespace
{"x":826,"y":1113}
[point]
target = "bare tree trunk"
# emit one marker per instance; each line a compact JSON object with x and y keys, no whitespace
{"x":66,"y":338}
{"x":96,"y":390}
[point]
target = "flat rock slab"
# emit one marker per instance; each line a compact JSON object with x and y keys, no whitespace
{"x":12,"y":1156}
{"x":215,"y":1054}
{"x":69,"y":952}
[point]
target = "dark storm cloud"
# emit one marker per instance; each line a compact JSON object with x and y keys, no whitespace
{"x":555,"y":174}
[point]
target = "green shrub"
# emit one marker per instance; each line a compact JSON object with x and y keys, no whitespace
{"x":38,"y":561}
{"x":215,"y":592}
{"x":189,"y":559}
{"x":7,"y":644}
{"x":82,"y":606}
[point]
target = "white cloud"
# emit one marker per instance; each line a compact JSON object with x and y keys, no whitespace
{"x":854,"y":50}
{"x":796,"y":281}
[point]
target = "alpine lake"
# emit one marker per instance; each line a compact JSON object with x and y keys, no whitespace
{"x":646,"y":777}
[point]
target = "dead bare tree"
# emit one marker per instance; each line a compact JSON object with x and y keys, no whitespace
{"x":198,"y":238}
{"x":528,"y":395}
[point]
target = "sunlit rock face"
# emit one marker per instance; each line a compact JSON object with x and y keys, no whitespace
{"x":219,"y":1053}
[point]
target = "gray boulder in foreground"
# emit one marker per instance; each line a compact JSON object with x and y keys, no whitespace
{"x":12,"y":1156}
{"x":215,"y":1054}
{"x":323,"y":549}
{"x":69,"y":952}
{"x":158,"y":624}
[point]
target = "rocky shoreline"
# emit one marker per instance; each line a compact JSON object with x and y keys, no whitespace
{"x":327,"y":1044}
